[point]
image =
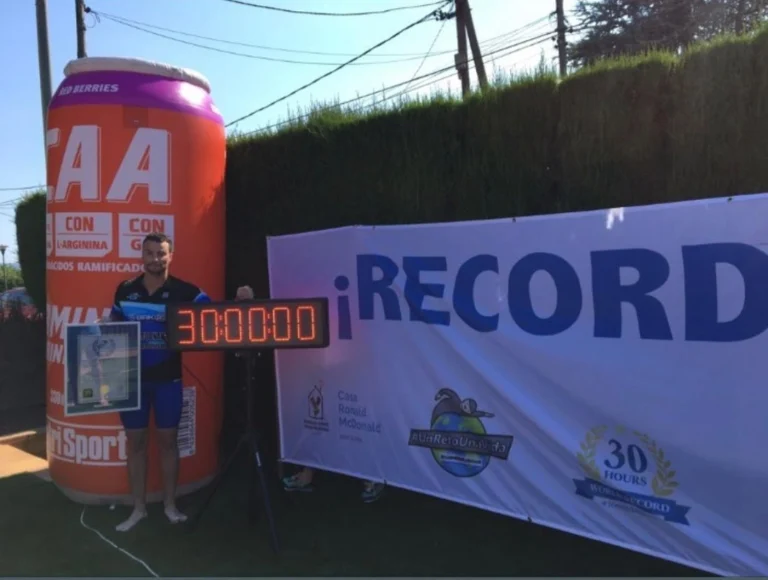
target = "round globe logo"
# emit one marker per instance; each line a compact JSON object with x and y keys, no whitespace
{"x":457,"y":438}
{"x":455,"y":462}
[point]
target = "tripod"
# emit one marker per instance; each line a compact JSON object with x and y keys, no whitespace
{"x":249,"y":441}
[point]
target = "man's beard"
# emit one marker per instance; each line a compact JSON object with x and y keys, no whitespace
{"x":154,"y":269}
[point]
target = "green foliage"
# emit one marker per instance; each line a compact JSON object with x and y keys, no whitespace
{"x":10,"y":275}
{"x":30,"y":236}
{"x":717,"y":125}
{"x":22,"y":360}
{"x":625,"y":27}
{"x":611,"y":133}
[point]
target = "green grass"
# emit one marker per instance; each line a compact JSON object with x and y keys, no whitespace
{"x":325,"y":533}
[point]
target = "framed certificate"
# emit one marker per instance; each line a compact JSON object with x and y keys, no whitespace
{"x":102,"y":368}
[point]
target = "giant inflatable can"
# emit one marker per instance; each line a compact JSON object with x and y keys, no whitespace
{"x":133,"y":147}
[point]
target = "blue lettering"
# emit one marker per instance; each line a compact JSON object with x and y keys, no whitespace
{"x":464,"y":292}
{"x":568,"y":291}
{"x":343,"y":312}
{"x":367,"y":287}
{"x":376,"y":276}
{"x":416,"y":290}
{"x":608,"y":293}
{"x":701,"y":312}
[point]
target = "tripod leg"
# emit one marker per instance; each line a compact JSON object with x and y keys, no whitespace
{"x":265,"y":494}
{"x":253,"y":510}
{"x":193,"y":521}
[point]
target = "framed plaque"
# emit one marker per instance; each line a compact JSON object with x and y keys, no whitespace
{"x":102,"y":368}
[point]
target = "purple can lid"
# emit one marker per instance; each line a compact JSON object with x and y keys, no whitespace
{"x":135,"y":89}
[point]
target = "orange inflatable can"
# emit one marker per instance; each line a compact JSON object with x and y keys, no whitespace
{"x":133,"y":147}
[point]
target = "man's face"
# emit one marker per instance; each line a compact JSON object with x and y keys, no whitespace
{"x":156,"y":256}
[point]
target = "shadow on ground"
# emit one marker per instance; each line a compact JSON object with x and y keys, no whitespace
{"x":325,"y":533}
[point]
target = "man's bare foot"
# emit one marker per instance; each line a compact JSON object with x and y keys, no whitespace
{"x":174,"y":515}
{"x":135,"y":518}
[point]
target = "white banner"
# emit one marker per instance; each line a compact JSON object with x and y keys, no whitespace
{"x":603,"y":373}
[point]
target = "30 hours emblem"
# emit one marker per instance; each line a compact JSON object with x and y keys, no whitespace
{"x":627,"y":469}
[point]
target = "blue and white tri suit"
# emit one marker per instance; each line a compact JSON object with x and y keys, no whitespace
{"x":161,"y":386}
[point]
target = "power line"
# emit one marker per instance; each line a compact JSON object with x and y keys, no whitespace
{"x":139,"y":25}
{"x":310,"y":13}
{"x":10,"y":202}
{"x":433,"y":14}
{"x":500,"y":52}
{"x":250,"y":45}
{"x":503,"y":54}
{"x":125,"y":22}
{"x":22,"y":188}
{"x":429,"y":50}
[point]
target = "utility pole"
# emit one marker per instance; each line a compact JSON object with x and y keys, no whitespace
{"x":465,"y":27}
{"x":461,"y":59}
{"x":561,"y":38}
{"x":474,"y":45}
{"x":44,"y":60}
{"x":80,"y":22}
{"x":3,"y":248}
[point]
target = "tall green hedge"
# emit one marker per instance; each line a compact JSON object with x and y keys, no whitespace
{"x":30,"y":239}
{"x":625,"y":132}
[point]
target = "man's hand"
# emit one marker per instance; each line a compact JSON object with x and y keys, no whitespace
{"x":244,"y":293}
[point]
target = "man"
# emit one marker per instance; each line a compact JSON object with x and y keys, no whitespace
{"x":143,"y":299}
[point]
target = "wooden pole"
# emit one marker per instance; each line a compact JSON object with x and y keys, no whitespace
{"x":476,"y":54}
{"x":461,"y":57}
{"x":80,"y":23}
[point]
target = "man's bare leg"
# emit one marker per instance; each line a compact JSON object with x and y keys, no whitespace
{"x":137,"y":476}
{"x":169,"y":463}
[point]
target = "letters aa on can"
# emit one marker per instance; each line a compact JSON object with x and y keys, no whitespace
{"x":102,"y":368}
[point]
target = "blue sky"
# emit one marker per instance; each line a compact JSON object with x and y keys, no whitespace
{"x":241,"y":84}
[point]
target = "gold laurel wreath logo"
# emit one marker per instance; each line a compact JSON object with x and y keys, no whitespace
{"x":663,"y":483}
{"x":586,"y":457}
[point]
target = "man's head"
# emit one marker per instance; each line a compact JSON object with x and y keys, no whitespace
{"x":157,"y":252}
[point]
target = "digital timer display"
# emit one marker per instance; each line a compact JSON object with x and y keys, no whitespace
{"x":292,"y":323}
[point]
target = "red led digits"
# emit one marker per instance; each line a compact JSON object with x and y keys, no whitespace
{"x":287,"y":316}
{"x":233,"y":317}
{"x":261,"y":324}
{"x":190,"y":327}
{"x":257,"y":327}
{"x":205,"y":337}
{"x":301,"y":332}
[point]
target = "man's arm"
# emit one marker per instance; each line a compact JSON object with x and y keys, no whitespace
{"x":201,"y":296}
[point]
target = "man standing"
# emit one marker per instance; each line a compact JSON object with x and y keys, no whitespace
{"x":144,"y":299}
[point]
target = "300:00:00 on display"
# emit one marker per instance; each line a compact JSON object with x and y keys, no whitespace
{"x":260,"y":324}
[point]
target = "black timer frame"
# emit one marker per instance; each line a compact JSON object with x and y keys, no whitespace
{"x":251,"y":438}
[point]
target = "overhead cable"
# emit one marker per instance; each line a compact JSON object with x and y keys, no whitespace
{"x":429,"y":51}
{"x":500,"y":52}
{"x":413,"y":56}
{"x":22,"y":188}
{"x":142,"y":26}
{"x":433,"y":14}
{"x":312,"y":13}
{"x":125,"y":22}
